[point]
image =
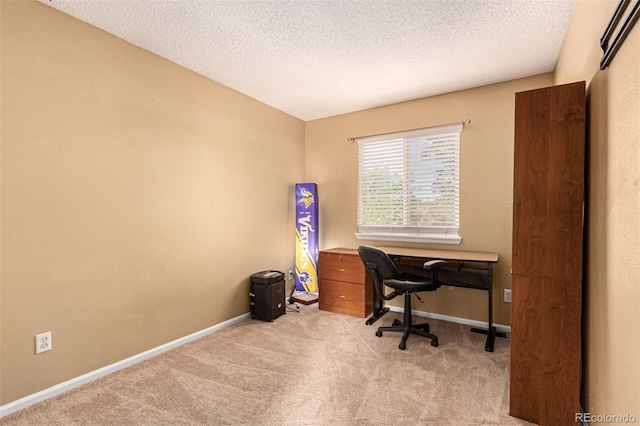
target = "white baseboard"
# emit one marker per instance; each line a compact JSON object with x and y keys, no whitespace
{"x":473,"y":323}
{"x":28,"y":400}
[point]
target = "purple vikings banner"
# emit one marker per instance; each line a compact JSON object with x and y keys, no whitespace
{"x":306,"y":237}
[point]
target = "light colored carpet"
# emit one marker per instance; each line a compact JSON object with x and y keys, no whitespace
{"x":307,"y":368}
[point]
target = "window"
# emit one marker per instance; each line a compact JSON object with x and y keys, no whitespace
{"x":408,"y":186}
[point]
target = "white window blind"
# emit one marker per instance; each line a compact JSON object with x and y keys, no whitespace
{"x":408,"y":186}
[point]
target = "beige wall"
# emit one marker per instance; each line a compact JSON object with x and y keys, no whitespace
{"x":137,"y":198}
{"x":611,"y":370}
{"x":486,"y":178}
{"x":580,"y":55}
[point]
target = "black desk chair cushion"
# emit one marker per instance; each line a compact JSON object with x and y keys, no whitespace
{"x":385,"y":273}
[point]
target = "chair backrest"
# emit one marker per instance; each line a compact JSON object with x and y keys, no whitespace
{"x":377,"y":262}
{"x":381,"y":268}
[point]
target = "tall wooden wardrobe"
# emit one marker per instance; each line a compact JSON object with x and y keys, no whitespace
{"x":547,"y":250}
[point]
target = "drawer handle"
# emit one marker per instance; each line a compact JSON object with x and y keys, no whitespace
{"x":342,"y":296}
{"x":341,"y":269}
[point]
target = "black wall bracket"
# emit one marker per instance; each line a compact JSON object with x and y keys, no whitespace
{"x":622,"y":30}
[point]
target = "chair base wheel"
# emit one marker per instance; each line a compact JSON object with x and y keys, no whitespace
{"x":419,"y":329}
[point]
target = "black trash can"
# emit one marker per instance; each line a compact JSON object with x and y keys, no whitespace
{"x":266,"y":295}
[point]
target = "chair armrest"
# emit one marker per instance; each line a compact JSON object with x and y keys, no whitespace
{"x":433,"y":265}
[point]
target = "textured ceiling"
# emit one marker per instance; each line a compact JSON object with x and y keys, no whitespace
{"x":318,"y":58}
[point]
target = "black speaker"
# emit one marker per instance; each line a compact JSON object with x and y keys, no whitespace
{"x":266,"y":295}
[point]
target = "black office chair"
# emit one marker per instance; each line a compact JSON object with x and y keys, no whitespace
{"x":384,"y":272}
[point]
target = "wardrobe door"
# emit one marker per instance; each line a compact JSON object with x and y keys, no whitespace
{"x":547,"y":254}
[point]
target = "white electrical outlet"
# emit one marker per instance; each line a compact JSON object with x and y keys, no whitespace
{"x":507,"y":295}
{"x":290,"y":274}
{"x":43,"y":342}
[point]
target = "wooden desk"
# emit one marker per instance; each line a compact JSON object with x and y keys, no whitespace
{"x":467,"y":274}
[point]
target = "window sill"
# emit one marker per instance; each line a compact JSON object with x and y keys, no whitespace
{"x":408,"y":238}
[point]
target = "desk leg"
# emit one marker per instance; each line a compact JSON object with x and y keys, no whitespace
{"x":491,"y":337}
{"x":491,"y":331}
{"x":378,"y":310}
